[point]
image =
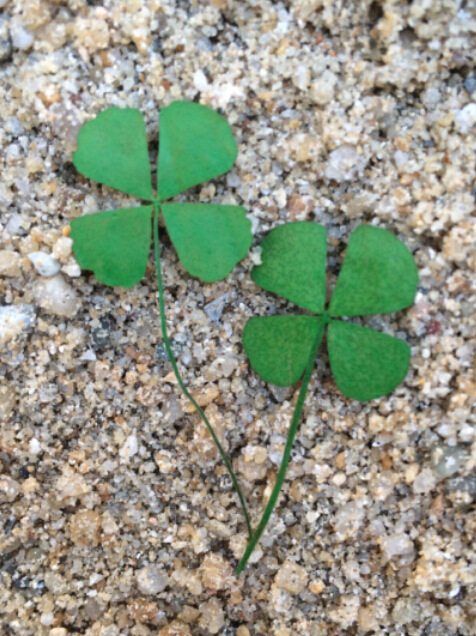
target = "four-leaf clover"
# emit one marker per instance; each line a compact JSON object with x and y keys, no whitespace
{"x":378,"y":276}
{"x":196,"y":144}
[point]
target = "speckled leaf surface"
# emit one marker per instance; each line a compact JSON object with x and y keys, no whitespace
{"x":279,"y":346}
{"x":112,"y":149}
{"x":366,"y":364}
{"x":210,"y":239}
{"x":378,"y":275}
{"x":114,"y":244}
{"x":195,"y":144}
{"x":293,"y":264}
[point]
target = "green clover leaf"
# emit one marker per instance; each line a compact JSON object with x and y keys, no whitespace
{"x":378,"y":276}
{"x":196,"y":144}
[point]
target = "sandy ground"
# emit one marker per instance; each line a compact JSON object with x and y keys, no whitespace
{"x":117,"y":517}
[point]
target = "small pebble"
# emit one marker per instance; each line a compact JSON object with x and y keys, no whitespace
{"x":431,"y":97}
{"x":345,"y":164}
{"x":101,"y":335}
{"x":151,"y":580}
{"x":21,"y":38}
{"x":84,"y":528}
{"x":213,"y":616}
{"x":291,"y":577}
{"x":463,"y":485}
{"x":447,"y":460}
{"x":215,"y":571}
{"x":470,"y":84}
{"x":215,"y":309}
{"x":55,"y":296}
{"x":9,"y":489}
{"x":73,"y":270}
{"x":322,"y":90}
{"x":8,"y":397}
{"x":15,"y":320}
{"x":397,"y":545}
{"x":175,"y":628}
{"x":161,"y":351}
{"x":465,"y":118}
{"x":14,"y":224}
{"x":200,"y":81}
{"x":62,"y":248}
{"x":45,"y":264}
{"x":9,"y":263}
{"x":424,"y":482}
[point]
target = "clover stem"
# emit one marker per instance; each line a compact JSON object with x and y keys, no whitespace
{"x":176,"y":371}
{"x":287,"y":449}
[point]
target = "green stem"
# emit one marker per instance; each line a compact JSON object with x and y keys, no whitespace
{"x":173,"y":362}
{"x":287,"y":449}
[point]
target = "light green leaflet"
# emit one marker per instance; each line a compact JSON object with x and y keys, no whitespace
{"x":196,"y":144}
{"x":378,"y":276}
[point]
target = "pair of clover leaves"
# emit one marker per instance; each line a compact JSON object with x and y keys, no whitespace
{"x":378,"y":274}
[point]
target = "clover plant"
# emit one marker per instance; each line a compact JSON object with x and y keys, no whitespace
{"x":378,"y":275}
{"x":196,"y":144}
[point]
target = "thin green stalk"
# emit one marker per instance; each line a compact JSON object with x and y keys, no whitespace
{"x":175,"y":368}
{"x":287,"y":449}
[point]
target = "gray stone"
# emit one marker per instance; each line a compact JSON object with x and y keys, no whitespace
{"x":447,"y":460}
{"x":215,"y":309}
{"x":462,"y":484}
{"x":470,"y":84}
{"x":151,"y":580}
{"x":345,"y":164}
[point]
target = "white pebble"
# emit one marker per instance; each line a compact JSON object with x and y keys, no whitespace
{"x":44,"y":263}
{"x":89,"y":356}
{"x":73,"y":270}
{"x":200,"y":81}
{"x":130,"y":448}
{"x":34,"y":446}
{"x":397,"y":545}
{"x":431,"y":97}
{"x":401,"y":158}
{"x":301,"y":78}
{"x":151,"y":580}
{"x":21,"y":38}
{"x":62,"y":248}
{"x":47,"y":619}
{"x":14,"y":224}
{"x":322,"y":90}
{"x":55,"y":296}
{"x":466,"y":118}
{"x":345,"y":164}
